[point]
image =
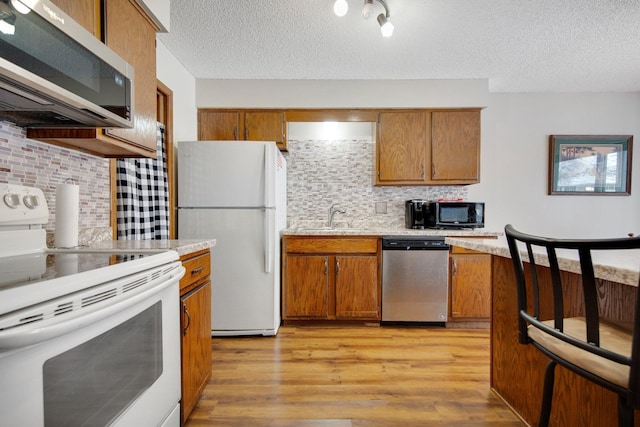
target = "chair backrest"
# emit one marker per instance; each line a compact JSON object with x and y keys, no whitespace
{"x":545,"y":285}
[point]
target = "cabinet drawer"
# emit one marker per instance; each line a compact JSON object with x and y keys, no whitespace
{"x":328,"y":245}
{"x":197,"y":268}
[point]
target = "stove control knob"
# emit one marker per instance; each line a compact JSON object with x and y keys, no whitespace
{"x":30,"y":201}
{"x":11,"y":200}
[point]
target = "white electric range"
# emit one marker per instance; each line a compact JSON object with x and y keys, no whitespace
{"x":86,"y":337}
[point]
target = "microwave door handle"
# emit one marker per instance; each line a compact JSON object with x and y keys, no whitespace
{"x":37,"y":332}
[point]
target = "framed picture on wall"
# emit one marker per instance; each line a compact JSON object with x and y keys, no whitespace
{"x":590,"y":164}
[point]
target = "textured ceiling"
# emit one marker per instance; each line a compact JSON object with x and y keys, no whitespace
{"x":518,"y":45}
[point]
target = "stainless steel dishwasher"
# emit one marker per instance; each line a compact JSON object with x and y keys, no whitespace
{"x":415,"y":277}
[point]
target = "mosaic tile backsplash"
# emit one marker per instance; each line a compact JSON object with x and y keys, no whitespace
{"x":321,"y":173}
{"x":27,"y":162}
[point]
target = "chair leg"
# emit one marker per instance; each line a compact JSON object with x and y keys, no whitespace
{"x":547,"y":394}
{"x":625,"y":413}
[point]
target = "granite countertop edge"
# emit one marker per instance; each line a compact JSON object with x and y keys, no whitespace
{"x":615,"y":266}
{"x":382,"y":231}
{"x":181,"y":246}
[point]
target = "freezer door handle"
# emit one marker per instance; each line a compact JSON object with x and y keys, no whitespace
{"x":268,"y":241}
{"x":269,"y":176}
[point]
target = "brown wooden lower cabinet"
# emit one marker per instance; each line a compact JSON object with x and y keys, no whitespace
{"x":195,"y":302}
{"x":470,"y":273}
{"x":331,"y":278}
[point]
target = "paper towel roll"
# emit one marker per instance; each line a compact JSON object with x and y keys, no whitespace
{"x":67,"y":213}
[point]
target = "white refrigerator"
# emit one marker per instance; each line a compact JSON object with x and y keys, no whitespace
{"x":236,"y":192}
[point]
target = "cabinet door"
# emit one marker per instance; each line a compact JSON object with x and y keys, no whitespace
{"x":83,"y":12}
{"x":357,"y":291}
{"x":401,"y":147}
{"x":131,"y":35}
{"x":455,"y":146}
{"x":218,"y":125}
{"x":306,"y":293}
{"x":471,"y":286}
{"x":196,"y":345}
{"x":265,"y":126}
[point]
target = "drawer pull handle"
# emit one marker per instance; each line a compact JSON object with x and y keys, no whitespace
{"x":197,"y":270}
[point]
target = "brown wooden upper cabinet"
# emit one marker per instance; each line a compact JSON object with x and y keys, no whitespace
{"x":246,"y":125}
{"x":132,"y":35}
{"x":426,"y":147}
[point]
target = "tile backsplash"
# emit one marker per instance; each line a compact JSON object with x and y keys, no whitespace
{"x":321,"y":172}
{"x":28,"y":162}
{"x":324,"y":172}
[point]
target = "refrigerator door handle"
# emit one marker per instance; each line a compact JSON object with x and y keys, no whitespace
{"x":269,"y":176}
{"x":268,"y":240}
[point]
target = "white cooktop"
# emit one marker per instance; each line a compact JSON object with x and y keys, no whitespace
{"x":30,"y":273}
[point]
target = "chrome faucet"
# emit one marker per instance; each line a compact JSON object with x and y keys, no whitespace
{"x":332,"y":211}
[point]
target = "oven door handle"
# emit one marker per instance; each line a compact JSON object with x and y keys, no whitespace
{"x":40,"y":331}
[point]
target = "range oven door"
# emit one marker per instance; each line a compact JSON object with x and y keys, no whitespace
{"x":116,"y":361}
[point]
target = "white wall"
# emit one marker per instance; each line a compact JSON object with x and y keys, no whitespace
{"x":173,"y":74}
{"x":514,"y":174}
{"x":342,"y":93}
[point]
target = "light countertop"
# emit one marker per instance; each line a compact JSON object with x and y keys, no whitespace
{"x":181,"y":246}
{"x":383,"y":231}
{"x":622,"y":266}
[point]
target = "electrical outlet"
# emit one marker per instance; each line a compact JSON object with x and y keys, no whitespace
{"x":381,"y":207}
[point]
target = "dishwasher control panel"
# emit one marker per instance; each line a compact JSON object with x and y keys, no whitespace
{"x":413,"y":243}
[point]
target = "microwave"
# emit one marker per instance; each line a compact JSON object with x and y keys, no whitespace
{"x":454,"y":215}
{"x":56,"y":74}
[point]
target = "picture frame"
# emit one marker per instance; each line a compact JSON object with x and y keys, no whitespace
{"x":595,"y":165}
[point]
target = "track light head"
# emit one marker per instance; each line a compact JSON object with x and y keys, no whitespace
{"x":367,"y":10}
{"x":386,"y":27}
{"x":340,"y":7}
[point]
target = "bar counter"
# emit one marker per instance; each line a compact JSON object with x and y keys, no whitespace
{"x":517,"y":370}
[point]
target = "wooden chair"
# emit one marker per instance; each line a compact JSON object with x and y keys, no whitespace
{"x":598,"y":350}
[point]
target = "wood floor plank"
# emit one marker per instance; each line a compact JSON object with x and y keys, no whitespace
{"x":352,"y":376}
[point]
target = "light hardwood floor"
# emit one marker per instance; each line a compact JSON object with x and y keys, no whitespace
{"x":352,"y":377}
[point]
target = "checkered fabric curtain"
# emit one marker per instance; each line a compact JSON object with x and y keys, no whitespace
{"x":142,"y":196}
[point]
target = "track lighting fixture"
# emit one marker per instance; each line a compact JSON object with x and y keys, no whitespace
{"x":340,"y":8}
